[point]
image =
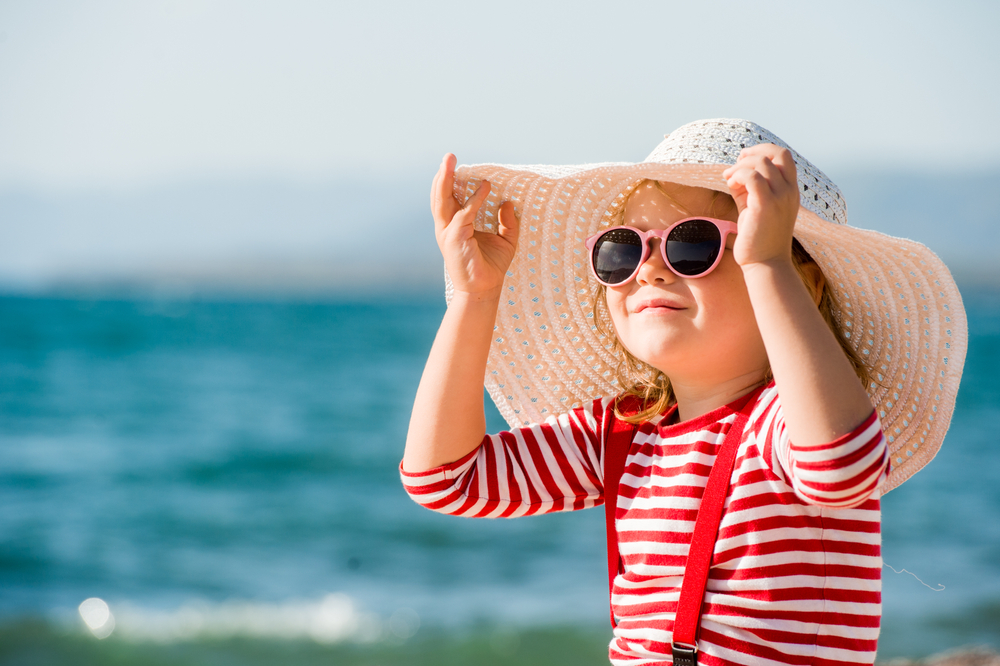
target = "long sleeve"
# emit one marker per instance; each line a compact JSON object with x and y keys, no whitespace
{"x":540,"y":468}
{"x":840,"y":474}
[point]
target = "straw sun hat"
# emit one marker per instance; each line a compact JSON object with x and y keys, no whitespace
{"x":899,"y":305}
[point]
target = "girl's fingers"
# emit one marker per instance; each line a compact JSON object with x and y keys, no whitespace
{"x":757,"y":185}
{"x":759,"y":174}
{"x":785,"y":163}
{"x":436,"y":189}
{"x":738,"y":174}
{"x":466,"y":216}
{"x":447,"y":182}
{"x":471,"y":206}
{"x":761,"y":149}
{"x":772,"y":174}
{"x":509,"y":224}
{"x":737,"y":181}
{"x":780,"y":157}
{"x":443,"y":201}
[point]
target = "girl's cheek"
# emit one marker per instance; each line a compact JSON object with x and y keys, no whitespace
{"x":619,"y":313}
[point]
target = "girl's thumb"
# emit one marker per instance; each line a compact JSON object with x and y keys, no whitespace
{"x":508,"y":222}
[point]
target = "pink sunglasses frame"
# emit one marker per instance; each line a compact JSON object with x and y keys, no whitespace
{"x":725,"y":228}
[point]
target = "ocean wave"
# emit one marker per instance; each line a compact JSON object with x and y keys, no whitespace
{"x":334,"y":618}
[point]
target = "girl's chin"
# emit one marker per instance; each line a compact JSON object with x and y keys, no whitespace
{"x":660,"y":359}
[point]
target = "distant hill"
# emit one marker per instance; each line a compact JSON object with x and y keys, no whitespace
{"x":957,"y":215}
{"x":265,"y":237}
{"x":222,"y":236}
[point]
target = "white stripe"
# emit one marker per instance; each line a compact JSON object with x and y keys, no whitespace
{"x":845,"y":449}
{"x":647,"y":586}
{"x":647,"y":502}
{"x":654,"y":525}
{"x":791,"y":626}
{"x":797,"y":534}
{"x":527,"y":478}
{"x":803,"y":605}
{"x":840,"y":474}
{"x":501,"y":475}
{"x":551,"y":464}
{"x":733,"y":657}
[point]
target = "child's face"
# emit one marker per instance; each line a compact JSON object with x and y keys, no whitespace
{"x":694,"y":330}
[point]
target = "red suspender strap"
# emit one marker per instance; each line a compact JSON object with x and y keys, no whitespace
{"x":618,"y":436}
{"x":706,"y":531}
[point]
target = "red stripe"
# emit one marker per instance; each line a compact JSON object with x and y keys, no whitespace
{"x":758,"y":492}
{"x":768,"y":652}
{"x":785,"y":498}
{"x":632,"y":611}
{"x":549,"y":487}
{"x":840,"y":441}
{"x":843,"y":619}
{"x":799,"y":569}
{"x":661,"y":491}
{"x":796,"y":545}
{"x":845,"y":460}
{"x":872,"y":472}
{"x":450,"y":466}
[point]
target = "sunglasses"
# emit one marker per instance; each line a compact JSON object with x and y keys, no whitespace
{"x":691,"y":248}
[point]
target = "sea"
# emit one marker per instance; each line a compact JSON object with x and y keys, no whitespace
{"x":215,"y":481}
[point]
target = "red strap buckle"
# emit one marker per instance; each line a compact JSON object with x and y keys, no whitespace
{"x":684,"y":654}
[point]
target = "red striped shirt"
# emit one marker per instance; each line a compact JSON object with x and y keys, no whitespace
{"x":796,"y":572}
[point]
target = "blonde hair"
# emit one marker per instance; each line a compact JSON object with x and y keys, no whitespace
{"x":651,"y":386}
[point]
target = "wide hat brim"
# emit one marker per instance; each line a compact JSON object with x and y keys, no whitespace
{"x":898,"y":304}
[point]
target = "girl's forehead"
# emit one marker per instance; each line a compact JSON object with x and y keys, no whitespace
{"x":653,"y":203}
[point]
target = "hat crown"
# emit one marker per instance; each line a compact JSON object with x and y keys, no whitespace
{"x":720,"y":140}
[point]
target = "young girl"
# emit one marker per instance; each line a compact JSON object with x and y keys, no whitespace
{"x":714,"y":286}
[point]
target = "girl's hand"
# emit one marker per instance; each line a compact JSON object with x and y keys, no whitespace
{"x":821,"y":397}
{"x":477,"y":261}
{"x":764,"y":185}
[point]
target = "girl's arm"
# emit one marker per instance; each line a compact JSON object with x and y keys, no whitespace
{"x":821,"y":396}
{"x":538,"y":468}
{"x":448,"y":421}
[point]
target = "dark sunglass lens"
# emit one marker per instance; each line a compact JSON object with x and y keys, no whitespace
{"x":616,"y":255}
{"x":693,"y":246}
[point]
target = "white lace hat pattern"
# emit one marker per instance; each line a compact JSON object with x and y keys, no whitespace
{"x":899,"y":305}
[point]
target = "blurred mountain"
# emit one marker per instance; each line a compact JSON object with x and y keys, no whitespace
{"x":955,"y":214}
{"x":266,"y":237}
{"x":234,"y":237}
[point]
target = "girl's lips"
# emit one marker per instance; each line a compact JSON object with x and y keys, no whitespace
{"x":659,"y":303}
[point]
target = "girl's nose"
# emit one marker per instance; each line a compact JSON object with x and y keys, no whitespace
{"x":653,"y":270}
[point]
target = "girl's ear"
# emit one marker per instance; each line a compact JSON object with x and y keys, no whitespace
{"x":814,"y":280}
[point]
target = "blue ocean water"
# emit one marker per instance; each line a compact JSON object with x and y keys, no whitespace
{"x":238,"y":461}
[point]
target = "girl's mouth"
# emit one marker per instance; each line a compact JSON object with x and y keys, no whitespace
{"x":659,"y":304}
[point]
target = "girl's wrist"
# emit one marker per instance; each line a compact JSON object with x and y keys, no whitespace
{"x":768,"y":267}
{"x":488,"y":297}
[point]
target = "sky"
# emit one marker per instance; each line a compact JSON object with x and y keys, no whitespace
{"x":117,"y":98}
